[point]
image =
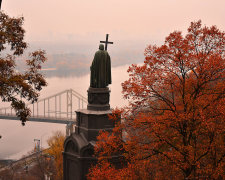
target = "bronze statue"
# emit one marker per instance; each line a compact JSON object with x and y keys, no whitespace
{"x":101,"y":69}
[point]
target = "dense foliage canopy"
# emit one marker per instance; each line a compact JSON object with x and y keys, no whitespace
{"x":174,"y":126}
{"x":18,"y":87}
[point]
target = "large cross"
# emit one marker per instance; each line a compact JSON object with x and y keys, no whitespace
{"x":106,"y":42}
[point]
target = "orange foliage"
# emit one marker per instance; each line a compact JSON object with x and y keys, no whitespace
{"x":174,"y":126}
{"x":18,"y":87}
{"x":56,"y":143}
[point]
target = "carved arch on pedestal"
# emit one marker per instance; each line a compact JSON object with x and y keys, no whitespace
{"x":87,"y":151}
{"x":71,"y":146}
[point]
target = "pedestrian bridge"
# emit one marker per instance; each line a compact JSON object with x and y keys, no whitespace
{"x":58,"y":108}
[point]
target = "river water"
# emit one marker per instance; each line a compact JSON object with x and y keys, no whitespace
{"x":17,"y":140}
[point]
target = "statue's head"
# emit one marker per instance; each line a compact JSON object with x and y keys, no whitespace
{"x":101,"y":47}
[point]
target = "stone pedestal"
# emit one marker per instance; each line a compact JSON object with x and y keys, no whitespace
{"x":91,"y":122}
{"x":79,"y":146}
{"x":98,"y":99}
{"x":77,"y":157}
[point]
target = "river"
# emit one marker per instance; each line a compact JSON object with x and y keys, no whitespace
{"x":17,"y":140}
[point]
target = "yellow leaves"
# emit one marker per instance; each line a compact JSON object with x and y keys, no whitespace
{"x":56,"y":148}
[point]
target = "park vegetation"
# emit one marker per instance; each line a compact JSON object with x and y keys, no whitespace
{"x":174,"y":125}
{"x":56,"y":147}
{"x":38,"y":164}
{"x":17,"y":88}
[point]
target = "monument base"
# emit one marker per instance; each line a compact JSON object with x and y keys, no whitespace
{"x":78,"y":157}
{"x":91,"y":122}
{"x":98,"y":99}
{"x":79,"y":146}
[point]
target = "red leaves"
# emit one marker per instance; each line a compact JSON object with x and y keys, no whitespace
{"x":174,"y":127}
{"x":114,"y":139}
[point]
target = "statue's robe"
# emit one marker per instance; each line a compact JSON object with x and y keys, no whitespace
{"x":101,"y":70}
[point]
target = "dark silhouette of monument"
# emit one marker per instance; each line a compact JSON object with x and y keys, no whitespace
{"x":101,"y":69}
{"x":79,"y":146}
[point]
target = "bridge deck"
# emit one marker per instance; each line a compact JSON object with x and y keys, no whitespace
{"x":42,"y":119}
{"x":59,"y":108}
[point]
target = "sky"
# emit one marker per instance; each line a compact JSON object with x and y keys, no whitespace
{"x":130,"y":23}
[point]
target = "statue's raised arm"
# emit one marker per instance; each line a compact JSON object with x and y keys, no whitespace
{"x":101,"y":69}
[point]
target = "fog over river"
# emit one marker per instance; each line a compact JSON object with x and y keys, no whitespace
{"x":17,"y":140}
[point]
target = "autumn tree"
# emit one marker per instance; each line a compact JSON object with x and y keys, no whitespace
{"x":174,"y":125}
{"x":36,"y":165}
{"x":55,"y":150}
{"x":50,"y":161}
{"x":18,"y":87}
{"x":39,"y":166}
{"x":9,"y":172}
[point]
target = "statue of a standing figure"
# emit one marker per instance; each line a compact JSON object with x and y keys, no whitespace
{"x":101,"y":69}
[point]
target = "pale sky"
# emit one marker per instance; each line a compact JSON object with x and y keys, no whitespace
{"x":127,"y":21}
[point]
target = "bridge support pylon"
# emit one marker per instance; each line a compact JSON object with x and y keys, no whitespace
{"x":70,"y":128}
